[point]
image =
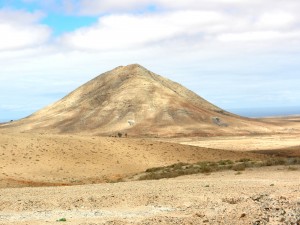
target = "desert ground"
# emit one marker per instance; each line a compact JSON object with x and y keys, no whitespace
{"x":269,"y":195}
{"x":46,"y":159}
{"x":242,"y":143}
{"x":50,"y":177}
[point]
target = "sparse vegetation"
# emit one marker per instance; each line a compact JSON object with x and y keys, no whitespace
{"x":244,"y":160}
{"x":291,"y":168}
{"x":239,"y":167}
{"x":180,"y":169}
{"x":225,"y":162}
{"x":62,"y":220}
{"x":232,"y":200}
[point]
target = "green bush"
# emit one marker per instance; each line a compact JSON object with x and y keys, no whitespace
{"x":62,"y":220}
{"x":225,"y":162}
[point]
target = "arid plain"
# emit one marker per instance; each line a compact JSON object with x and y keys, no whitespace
{"x":59,"y":164}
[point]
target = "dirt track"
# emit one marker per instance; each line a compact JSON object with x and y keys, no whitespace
{"x":263,"y":194}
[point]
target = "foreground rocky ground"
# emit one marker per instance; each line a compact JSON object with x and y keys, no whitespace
{"x":269,"y":195}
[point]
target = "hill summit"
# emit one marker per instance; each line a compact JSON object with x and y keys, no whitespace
{"x":134,"y":101}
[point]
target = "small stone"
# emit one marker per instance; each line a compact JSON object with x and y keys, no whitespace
{"x":258,"y":197}
{"x":266,"y":219}
{"x":199,"y":215}
{"x":243,"y":215}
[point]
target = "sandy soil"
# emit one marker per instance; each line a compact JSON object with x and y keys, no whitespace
{"x":242,"y":143}
{"x":269,"y":195}
{"x":44,"y":159}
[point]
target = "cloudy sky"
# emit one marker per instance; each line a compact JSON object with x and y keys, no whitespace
{"x":239,"y":54}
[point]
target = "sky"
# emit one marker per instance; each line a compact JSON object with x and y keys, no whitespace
{"x":242,"y":55}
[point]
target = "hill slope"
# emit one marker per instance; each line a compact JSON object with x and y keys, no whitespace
{"x":47,"y":159}
{"x":137,"y":102}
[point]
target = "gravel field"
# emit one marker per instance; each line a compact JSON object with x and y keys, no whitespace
{"x":269,"y":195}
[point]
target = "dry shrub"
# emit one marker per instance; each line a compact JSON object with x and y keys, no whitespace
{"x":239,"y":167}
{"x":180,"y":169}
{"x":232,"y":200}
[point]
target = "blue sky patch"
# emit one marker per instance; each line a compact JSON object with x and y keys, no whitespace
{"x":19,"y":5}
{"x":63,"y":23}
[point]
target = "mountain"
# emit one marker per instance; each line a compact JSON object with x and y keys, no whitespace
{"x":131,"y":100}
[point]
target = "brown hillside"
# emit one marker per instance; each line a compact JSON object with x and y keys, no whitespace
{"x":42,"y":160}
{"x":135,"y":101}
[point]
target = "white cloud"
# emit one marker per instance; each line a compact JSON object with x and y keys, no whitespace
{"x":104,"y":6}
{"x":96,"y":7}
{"x":258,"y":36}
{"x":196,"y":27}
{"x":20,"y":30}
{"x":276,"y":19}
{"x":134,"y":31}
{"x":19,"y":16}
{"x":17,"y":37}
